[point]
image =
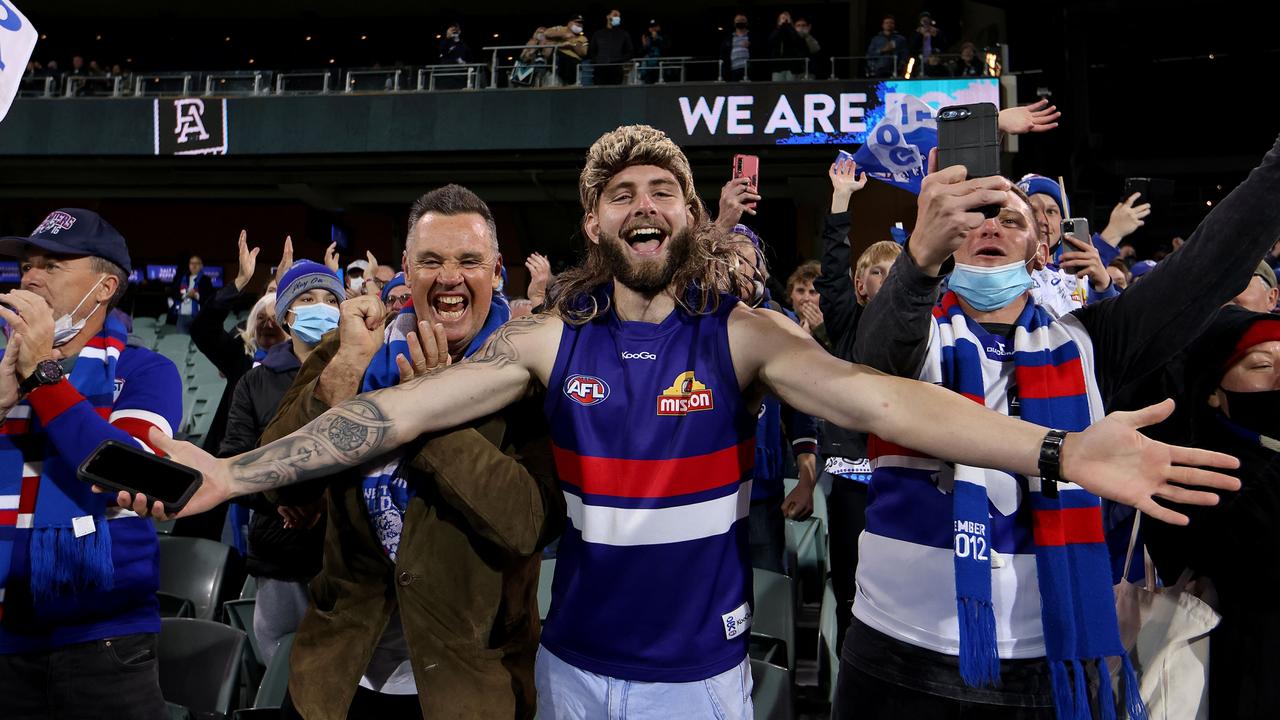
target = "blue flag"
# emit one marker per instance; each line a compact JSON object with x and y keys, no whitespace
{"x":897,"y":149}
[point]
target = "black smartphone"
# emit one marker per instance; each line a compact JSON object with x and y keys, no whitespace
{"x":968,"y":135}
{"x":127,"y":467}
{"x":1148,"y":189}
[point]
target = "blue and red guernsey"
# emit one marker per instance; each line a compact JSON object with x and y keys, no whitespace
{"x":654,"y":448}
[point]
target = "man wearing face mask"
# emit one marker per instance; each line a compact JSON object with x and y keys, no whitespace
{"x":1227,"y":384}
{"x":610,"y":46}
{"x":962,"y":594}
{"x":355,"y":276}
{"x":737,"y":49}
{"x":284,"y":542}
{"x":78,"y":579}
{"x":572,"y":47}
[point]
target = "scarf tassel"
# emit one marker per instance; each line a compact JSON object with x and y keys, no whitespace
{"x":63,"y":564}
{"x":1136,"y":709}
{"x":1081,"y":688}
{"x":1106,"y":698}
{"x":1060,"y":682}
{"x":979,"y":661}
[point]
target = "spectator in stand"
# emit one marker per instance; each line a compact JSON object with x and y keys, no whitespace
{"x":540,"y":278}
{"x":188,"y":291}
{"x":233,"y":353}
{"x":653,"y":45}
{"x":452,"y":50}
{"x":78,"y":578}
{"x":396,"y":294}
{"x":354,"y":275}
{"x":609,"y":47}
{"x":804,"y":300}
{"x":531,"y":67}
{"x":983,"y":651}
{"x":787,"y":49}
{"x":1273,"y":256}
{"x":285,"y":542}
{"x":1119,"y":273}
{"x":737,"y":49}
{"x":969,"y":64}
{"x":379,"y":278}
{"x":887,"y":52}
{"x":521,"y":307}
{"x":571,"y":47}
{"x":812,"y":48}
{"x":1261,"y":294}
{"x":1140,"y":270}
{"x":926,"y":39}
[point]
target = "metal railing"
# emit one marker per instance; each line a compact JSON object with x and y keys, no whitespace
{"x":37,"y":86}
{"x":620,"y":73}
{"x":469,"y":76}
{"x":540,"y":74}
{"x":283,"y":79}
{"x":161,"y":85}
{"x":864,"y":66}
{"x":81,"y":85}
{"x":235,"y":83}
{"x":356,"y":80}
{"x":778,"y":69}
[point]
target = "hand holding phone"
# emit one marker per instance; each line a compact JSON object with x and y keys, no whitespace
{"x":129,"y":468}
{"x":968,"y":135}
{"x":748,"y":166}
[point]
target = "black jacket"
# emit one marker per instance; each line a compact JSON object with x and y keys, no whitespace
{"x":840,"y":315}
{"x":274,"y":551}
{"x":611,"y":45}
{"x":225,"y":349}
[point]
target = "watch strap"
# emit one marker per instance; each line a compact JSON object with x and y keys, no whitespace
{"x":1051,"y":462}
{"x":39,"y":377}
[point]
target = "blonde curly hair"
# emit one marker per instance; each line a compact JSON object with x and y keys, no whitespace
{"x":698,"y":282}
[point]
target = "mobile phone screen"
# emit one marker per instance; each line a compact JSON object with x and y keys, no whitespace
{"x":139,"y":472}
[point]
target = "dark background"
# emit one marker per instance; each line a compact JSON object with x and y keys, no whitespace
{"x":1174,"y":90}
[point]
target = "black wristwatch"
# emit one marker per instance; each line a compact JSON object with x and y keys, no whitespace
{"x":47,"y":372}
{"x":1051,"y":462}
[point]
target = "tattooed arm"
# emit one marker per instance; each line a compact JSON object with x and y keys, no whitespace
{"x":374,"y":424}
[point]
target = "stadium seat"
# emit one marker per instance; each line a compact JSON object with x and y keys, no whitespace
{"x":774,"y":616}
{"x":239,"y":615}
{"x":545,"y":576}
{"x":276,"y":680}
{"x":770,"y":691}
{"x":199,"y":663}
{"x":828,"y":642}
{"x":172,"y":606}
{"x":194,"y":568}
{"x":250,"y":588}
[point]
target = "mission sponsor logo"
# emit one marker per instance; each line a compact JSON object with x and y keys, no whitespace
{"x":685,"y":395}
{"x":586,"y":389}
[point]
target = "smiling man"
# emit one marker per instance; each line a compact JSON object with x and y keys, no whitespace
{"x":654,"y":377}
{"x":964,"y":604}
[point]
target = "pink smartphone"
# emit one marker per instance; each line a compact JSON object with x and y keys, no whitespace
{"x":747,"y":166}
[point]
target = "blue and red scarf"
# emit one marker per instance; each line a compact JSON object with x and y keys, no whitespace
{"x":40,"y":495}
{"x":387,"y":491}
{"x":1072,"y":562}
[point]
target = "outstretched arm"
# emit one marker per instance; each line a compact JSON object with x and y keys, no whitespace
{"x":373,"y":424}
{"x":1110,"y":458}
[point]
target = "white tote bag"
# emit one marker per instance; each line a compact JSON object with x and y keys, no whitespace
{"x":1166,"y":632}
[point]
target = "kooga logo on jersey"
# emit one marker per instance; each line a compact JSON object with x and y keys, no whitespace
{"x":642,"y":355}
{"x":586,"y":389}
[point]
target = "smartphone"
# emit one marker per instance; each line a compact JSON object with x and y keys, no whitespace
{"x":968,"y":136}
{"x":127,"y":467}
{"x":747,"y":166}
{"x":1078,"y":227}
{"x":1148,"y":189}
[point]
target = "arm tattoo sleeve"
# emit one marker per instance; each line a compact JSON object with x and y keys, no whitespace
{"x":347,"y":435}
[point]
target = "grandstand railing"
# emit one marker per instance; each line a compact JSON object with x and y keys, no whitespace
{"x":368,"y":80}
{"x":459,"y":76}
{"x":283,"y":81}
{"x":163,"y":84}
{"x":236,"y":83}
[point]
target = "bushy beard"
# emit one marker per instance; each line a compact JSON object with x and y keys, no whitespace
{"x":647,"y":276}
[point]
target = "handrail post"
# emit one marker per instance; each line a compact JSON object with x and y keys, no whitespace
{"x":493,"y":64}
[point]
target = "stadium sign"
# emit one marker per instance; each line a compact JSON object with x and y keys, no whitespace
{"x":190,"y":126}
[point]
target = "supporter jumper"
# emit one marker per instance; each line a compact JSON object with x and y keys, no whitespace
{"x":1118,"y":341}
{"x":225,"y":350}
{"x":465,"y":579}
{"x":657,"y":512}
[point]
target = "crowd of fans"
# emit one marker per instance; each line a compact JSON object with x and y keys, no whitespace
{"x":410,"y":441}
{"x":576,"y":52}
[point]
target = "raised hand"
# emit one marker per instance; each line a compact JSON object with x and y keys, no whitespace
{"x":1125,"y":219}
{"x":248,"y":262}
{"x":947,"y":209}
{"x":9,"y":380}
{"x":331,"y":257}
{"x":845,"y":181}
{"x":30,"y":317}
{"x":810,"y":316}
{"x":286,"y":260}
{"x":428,"y":352}
{"x":539,"y":277}
{"x":1112,"y":460}
{"x":360,"y":328}
{"x":736,"y":197}
{"x":1085,"y":260}
{"x":1034,"y":118}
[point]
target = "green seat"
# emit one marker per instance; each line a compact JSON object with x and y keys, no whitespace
{"x":773,"y":616}
{"x":199,"y":664}
{"x":275,"y":683}
{"x":174,"y":606}
{"x":194,"y":568}
{"x":545,"y":575}
{"x":239,"y":615}
{"x":250,"y":588}
{"x":807,"y":539}
{"x":828,"y":641}
{"x":770,"y":691}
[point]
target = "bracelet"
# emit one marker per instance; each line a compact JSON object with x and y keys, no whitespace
{"x":1051,"y":462}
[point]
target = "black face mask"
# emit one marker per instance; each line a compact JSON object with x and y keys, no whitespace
{"x":1257,"y":411}
{"x":740,"y":26}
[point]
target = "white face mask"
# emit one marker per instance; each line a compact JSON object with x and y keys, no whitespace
{"x":357,"y":284}
{"x":66,"y":327}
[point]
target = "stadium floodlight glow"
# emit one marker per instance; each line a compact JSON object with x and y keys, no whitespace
{"x":911,"y":65}
{"x":364,"y":37}
{"x":993,"y":65}
{"x":308,"y":38}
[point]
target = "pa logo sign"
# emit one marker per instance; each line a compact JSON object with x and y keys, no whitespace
{"x":586,"y":389}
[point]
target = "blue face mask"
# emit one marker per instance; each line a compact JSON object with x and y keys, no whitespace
{"x":615,"y":21}
{"x":988,"y":289}
{"x":311,"y":322}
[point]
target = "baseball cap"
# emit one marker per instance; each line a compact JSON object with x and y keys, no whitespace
{"x":73,"y":231}
{"x":361,"y":265}
{"x":1267,"y":274}
{"x":1142,"y":267}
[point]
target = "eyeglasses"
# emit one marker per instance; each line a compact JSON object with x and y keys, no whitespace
{"x":399,"y":301}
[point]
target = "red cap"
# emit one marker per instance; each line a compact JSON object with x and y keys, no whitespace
{"x":1263,"y":330}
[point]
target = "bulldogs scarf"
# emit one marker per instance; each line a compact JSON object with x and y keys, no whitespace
{"x":1072,"y":562}
{"x":385,"y":489}
{"x":41,"y":497}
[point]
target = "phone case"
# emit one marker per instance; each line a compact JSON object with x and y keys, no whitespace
{"x":170,"y":508}
{"x":747,"y":166}
{"x":968,"y":135}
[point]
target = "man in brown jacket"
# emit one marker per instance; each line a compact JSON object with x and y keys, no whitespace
{"x":445,"y":622}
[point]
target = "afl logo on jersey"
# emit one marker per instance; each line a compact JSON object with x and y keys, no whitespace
{"x":586,"y":390}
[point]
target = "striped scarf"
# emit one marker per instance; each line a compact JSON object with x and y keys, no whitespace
{"x":386,"y":492}
{"x":1072,"y":563}
{"x":42,"y":499}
